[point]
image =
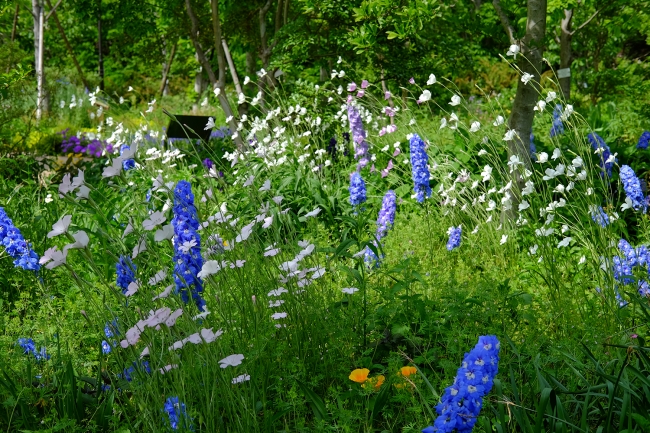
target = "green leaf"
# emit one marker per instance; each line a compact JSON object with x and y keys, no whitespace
{"x":317,"y":404}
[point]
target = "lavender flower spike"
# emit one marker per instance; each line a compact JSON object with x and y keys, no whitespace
{"x":357,"y":189}
{"x":454,"y":237}
{"x":358,"y":136}
{"x":419,"y":160}
{"x":386,"y":217}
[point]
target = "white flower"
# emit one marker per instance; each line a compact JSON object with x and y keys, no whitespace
{"x":425,"y":96}
{"x":49,"y":198}
{"x":627,"y":205}
{"x":475,"y":127}
{"x":523,"y":205}
{"x":513,"y":51}
{"x":261,"y":73}
{"x":568,"y":110}
{"x":499,"y":121}
{"x":443,"y":123}
{"x":431,"y":80}
{"x":510,"y":134}
{"x":231,"y":361}
{"x":582,"y":260}
{"x":210,"y":124}
{"x":577,"y":162}
{"x":529,"y":188}
{"x":542,"y":157}
{"x":514,"y":162}
{"x":541,"y":104}
{"x":277,"y":316}
{"x":61,"y":226}
{"x":486,"y":173}
{"x":526,"y":78}
{"x":551,"y":96}
{"x":246,"y":80}
{"x":482,"y":152}
{"x":349,"y":290}
{"x":242,"y":377}
{"x":217,"y":91}
{"x":556,"y":153}
{"x":455,"y":100}
{"x":504,"y":239}
{"x":564,"y":242}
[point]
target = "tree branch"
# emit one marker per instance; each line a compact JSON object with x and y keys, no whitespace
{"x":505,"y":22}
{"x":197,"y":45}
{"x":47,"y":17}
{"x":587,"y":22}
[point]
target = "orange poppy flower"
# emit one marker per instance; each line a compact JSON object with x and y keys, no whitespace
{"x":359,"y":375}
{"x":407,"y":371}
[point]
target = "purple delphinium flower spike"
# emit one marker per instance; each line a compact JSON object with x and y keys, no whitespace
{"x":419,"y":160}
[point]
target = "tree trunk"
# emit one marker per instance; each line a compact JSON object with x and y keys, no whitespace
{"x":223,"y":100}
{"x":216,"y":30}
{"x":566,"y":55}
{"x":41,"y":97}
{"x":68,"y":46}
{"x":521,"y":118}
{"x":251,"y":68}
{"x":15,"y":25}
{"x":164,"y":85}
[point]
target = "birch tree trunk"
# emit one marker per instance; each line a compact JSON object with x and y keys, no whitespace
{"x":42,"y":100}
{"x":566,"y":54}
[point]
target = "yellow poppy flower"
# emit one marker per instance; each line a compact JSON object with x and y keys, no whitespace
{"x":359,"y":375}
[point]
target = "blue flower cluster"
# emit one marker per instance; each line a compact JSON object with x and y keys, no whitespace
{"x":143,"y":367}
{"x":419,"y":168}
{"x":632,"y":187}
{"x":15,"y":244}
{"x":357,"y":189}
{"x":643,"y":140}
{"x":558,"y":127}
{"x":454,"y":237}
{"x":127,"y":164}
{"x":462,"y":401}
{"x":597,"y":143}
{"x":177,"y":413}
{"x":125,"y":270}
{"x":623,"y":267}
{"x":28,"y":346}
{"x":358,"y":136}
{"x":385,"y":222}
{"x":599,"y":216}
{"x":187,"y":245}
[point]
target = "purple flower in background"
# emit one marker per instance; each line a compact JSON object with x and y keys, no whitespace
{"x":15,"y":245}
{"x":604,"y":152}
{"x":358,"y":137}
{"x":419,"y":160}
{"x":599,"y":216}
{"x":557,"y":127}
{"x":207,"y":163}
{"x":364,"y":84}
{"x":532,"y":149}
{"x":29,"y":347}
{"x":643,"y":140}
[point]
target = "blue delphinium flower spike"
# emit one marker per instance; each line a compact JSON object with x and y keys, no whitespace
{"x":461,"y":402}
{"x":454,"y":237}
{"x":357,"y":189}
{"x":558,"y":127}
{"x":643,"y":140}
{"x":127,"y":164}
{"x":125,"y":270}
{"x":599,"y":216}
{"x":187,"y":245}
{"x":632,"y":187}
{"x":176,"y":413}
{"x":420,"y":171}
{"x":15,"y":244}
